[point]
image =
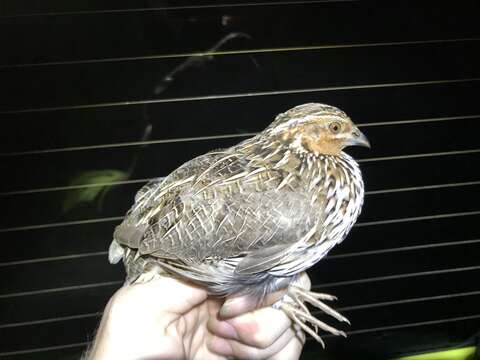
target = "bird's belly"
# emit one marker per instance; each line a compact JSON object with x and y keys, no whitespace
{"x":257,"y":286}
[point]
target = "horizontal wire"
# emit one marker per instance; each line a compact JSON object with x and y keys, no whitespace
{"x":75,"y":187}
{"x":61,"y":289}
{"x":407,"y":325}
{"x":146,"y":180}
{"x":343,"y":309}
{"x":386,"y":158}
{"x":419,"y":121}
{"x":65,"y":223}
{"x":237,"y":52}
{"x":65,"y":257}
{"x":416,"y":188}
{"x":396,"y":249}
{"x":417,"y":218}
{"x":124,"y":182}
{"x":222,"y":136}
{"x":51,"y":320}
{"x":423,"y":187}
{"x":397,"y":276}
{"x":53,"y":258}
{"x":118,"y":218}
{"x":406,"y":301}
{"x":170,"y":8}
{"x":128,"y":144}
{"x":332,"y":284}
{"x":351,"y":332}
{"x":43,"y":349}
{"x":414,"y":156}
{"x":339,"y":256}
{"x":240,"y":95}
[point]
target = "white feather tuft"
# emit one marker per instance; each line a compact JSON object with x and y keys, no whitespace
{"x":115,"y":252}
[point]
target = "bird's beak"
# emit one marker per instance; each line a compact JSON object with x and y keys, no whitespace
{"x":358,"y":139}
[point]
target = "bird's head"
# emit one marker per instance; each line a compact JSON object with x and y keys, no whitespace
{"x":316,"y":128}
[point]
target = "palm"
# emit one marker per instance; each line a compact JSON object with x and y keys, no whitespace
{"x":169,"y":319}
{"x":190,"y":339}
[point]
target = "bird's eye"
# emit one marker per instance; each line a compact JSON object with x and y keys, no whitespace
{"x":335,"y":127}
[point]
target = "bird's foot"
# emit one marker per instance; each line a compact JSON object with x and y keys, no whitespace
{"x":294,"y":306}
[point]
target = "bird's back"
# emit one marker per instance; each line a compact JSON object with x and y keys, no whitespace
{"x":222,"y":207}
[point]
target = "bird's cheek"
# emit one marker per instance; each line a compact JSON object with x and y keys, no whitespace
{"x":311,"y":143}
{"x":322,"y":146}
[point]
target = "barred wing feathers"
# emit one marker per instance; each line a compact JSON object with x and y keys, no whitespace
{"x":223,"y":206}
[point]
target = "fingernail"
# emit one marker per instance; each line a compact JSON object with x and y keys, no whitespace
{"x":221,"y":346}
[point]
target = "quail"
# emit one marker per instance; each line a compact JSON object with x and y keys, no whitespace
{"x":250,"y":219}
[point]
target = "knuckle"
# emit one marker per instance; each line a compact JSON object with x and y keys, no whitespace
{"x":260,"y":340}
{"x":250,"y":354}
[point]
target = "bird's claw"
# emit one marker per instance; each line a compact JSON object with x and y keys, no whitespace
{"x":294,"y":306}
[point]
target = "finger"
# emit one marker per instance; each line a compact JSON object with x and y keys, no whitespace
{"x":241,"y":351}
{"x":162,"y":293}
{"x":242,"y":304}
{"x":260,"y":328}
{"x":237,"y":305}
{"x":292,"y":350}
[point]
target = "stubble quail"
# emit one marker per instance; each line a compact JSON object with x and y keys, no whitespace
{"x":251,"y":218}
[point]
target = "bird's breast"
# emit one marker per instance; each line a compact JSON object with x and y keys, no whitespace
{"x":343,"y":189}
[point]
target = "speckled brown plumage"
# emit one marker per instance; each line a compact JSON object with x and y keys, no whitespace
{"x":250,"y":218}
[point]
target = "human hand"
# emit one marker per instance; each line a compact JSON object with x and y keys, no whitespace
{"x":169,"y":319}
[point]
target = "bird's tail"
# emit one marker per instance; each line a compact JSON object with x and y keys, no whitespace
{"x":115,"y":252}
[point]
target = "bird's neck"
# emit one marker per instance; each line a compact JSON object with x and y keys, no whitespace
{"x":336,"y":176}
{"x":317,"y":170}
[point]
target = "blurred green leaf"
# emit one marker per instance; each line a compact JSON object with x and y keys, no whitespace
{"x":92,"y":191}
{"x":454,"y":354}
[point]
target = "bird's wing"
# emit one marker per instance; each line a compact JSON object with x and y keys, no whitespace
{"x":157,"y":199}
{"x":229,"y":207}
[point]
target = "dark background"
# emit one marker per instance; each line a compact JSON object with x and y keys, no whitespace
{"x":115,"y":92}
